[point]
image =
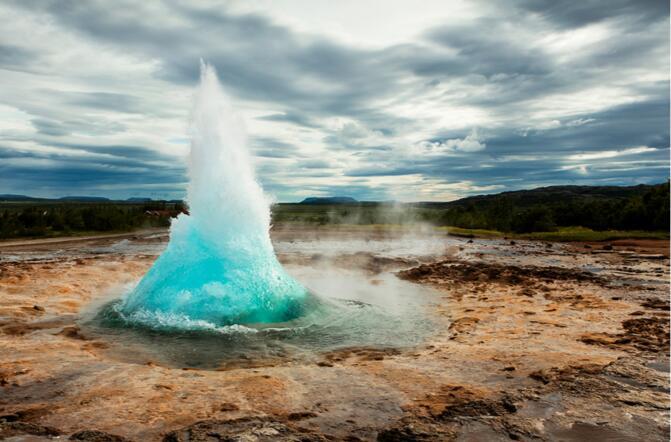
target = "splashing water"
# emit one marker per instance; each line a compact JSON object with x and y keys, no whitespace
{"x":219,"y":267}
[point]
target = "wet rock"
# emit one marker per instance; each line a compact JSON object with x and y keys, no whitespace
{"x":19,"y":328}
{"x":527,"y":292}
{"x":479,"y":408}
{"x":258,"y":429}
{"x":301,"y":415}
{"x":373,"y":264}
{"x":448,"y":270}
{"x":588,"y":431}
{"x":38,"y":308}
{"x":607,"y":247}
{"x":27,"y":414}
{"x":412,"y":433}
{"x":358,"y":353}
{"x":97,"y":436}
{"x":12,"y":429}
{"x":72,"y":332}
{"x":641,"y":334}
{"x":648,"y":334}
{"x":463,"y":325}
{"x":228,"y":406}
{"x":540,"y":376}
{"x":656,"y":304}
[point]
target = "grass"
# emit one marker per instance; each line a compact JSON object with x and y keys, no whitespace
{"x":562,"y":234}
{"x":584,"y":234}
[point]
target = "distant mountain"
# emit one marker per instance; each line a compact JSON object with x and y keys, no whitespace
{"x":329,"y":200}
{"x":12,"y":197}
{"x":84,"y":198}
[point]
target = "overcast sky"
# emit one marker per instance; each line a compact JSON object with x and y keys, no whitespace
{"x":404,"y":100}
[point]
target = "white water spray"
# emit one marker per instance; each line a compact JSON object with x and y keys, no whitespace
{"x":220,"y":266}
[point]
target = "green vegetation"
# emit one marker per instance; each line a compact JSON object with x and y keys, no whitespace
{"x":562,"y":234}
{"x":49,"y":218}
{"x":643,"y":208}
{"x":545,"y":209}
{"x":551,"y":213}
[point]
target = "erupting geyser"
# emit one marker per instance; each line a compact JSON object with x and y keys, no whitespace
{"x":219,"y":267}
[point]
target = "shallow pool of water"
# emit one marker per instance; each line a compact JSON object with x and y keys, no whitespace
{"x":347,"y":308}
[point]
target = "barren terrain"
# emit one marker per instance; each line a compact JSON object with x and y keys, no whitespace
{"x":529,"y":341}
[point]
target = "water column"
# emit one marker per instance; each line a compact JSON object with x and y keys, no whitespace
{"x":219,"y":266}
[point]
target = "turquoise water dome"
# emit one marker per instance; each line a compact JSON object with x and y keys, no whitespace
{"x":219,"y":267}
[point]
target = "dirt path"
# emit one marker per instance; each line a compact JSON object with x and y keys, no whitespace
{"x":38,"y":242}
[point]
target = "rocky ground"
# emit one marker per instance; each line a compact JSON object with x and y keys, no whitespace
{"x":532,"y":341}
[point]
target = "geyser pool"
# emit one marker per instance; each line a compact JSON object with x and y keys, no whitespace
{"x":354,"y":309}
{"x":219,"y":267}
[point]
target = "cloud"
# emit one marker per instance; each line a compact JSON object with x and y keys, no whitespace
{"x":555,"y":86}
{"x":470,"y":143}
{"x":610,"y":153}
{"x":15,"y":56}
{"x":270,"y":147}
{"x":314,"y":164}
{"x":290,"y":117}
{"x":566,"y":13}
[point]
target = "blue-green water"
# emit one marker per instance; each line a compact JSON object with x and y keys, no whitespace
{"x":351,"y":310}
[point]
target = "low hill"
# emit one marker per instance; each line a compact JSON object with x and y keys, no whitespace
{"x":642,"y":207}
{"x":12,"y":197}
{"x":557,"y":194}
{"x":84,"y":198}
{"x":329,"y":200}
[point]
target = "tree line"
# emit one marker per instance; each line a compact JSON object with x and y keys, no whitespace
{"x":64,"y":218}
{"x":647,"y":210}
{"x":539,"y":210}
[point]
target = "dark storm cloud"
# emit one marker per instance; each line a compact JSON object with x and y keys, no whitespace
{"x":136,"y":153}
{"x":49,"y":127}
{"x":313,"y":164}
{"x":291,"y":117}
{"x":87,"y":125}
{"x":483,"y":53}
{"x":124,"y":157}
{"x":270,"y":147}
{"x":14,"y":56}
{"x":548,"y":170}
{"x":66,"y":179}
{"x":104,"y":100}
{"x":572,"y":14}
{"x":255,"y":58}
{"x":544,"y":157}
{"x":48,"y":172}
{"x":637,"y":124}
